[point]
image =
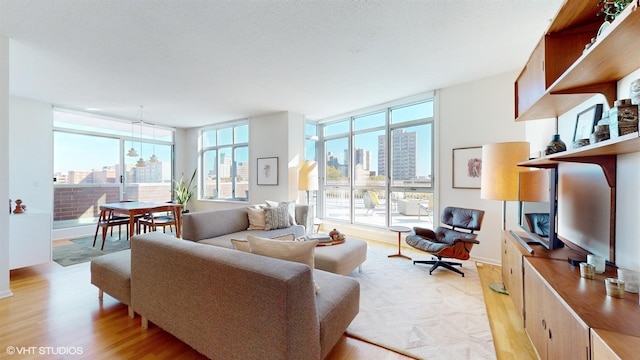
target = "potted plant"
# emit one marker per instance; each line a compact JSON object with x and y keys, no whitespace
{"x":183,"y":190}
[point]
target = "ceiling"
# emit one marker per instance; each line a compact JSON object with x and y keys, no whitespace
{"x":192,"y":63}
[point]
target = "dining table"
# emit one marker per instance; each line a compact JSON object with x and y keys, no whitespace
{"x":137,"y":208}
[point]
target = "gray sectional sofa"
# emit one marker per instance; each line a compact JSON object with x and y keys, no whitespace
{"x":229,"y":304}
{"x":218,"y":227}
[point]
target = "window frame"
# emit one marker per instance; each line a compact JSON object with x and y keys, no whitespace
{"x":234,"y":146}
{"x":389,"y":128}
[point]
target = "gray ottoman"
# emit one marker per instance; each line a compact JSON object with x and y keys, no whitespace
{"x":341,"y":258}
{"x":111,"y":273}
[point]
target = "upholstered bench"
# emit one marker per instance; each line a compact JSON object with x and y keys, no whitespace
{"x":341,"y":258}
{"x":111,"y":273}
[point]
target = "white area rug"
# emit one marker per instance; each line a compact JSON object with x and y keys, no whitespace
{"x":403,"y":308}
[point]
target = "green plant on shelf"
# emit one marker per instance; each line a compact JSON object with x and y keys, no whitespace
{"x":612,"y":8}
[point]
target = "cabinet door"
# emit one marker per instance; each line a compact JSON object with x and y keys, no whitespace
{"x":535,"y":293}
{"x":552,"y":328}
{"x":568,"y":338}
{"x":512,"y":272}
{"x":516,"y":278}
{"x":531,"y":83}
{"x":29,"y":239}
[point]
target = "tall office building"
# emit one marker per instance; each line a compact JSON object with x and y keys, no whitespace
{"x":403,"y":155}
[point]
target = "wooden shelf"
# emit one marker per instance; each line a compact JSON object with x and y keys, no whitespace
{"x":614,"y":55}
{"x":603,"y":154}
{"x":625,"y":144}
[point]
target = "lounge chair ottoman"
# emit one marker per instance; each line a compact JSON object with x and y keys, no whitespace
{"x":111,"y":273}
{"x":341,"y":258}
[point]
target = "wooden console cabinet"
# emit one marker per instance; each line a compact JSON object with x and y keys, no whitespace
{"x":565,"y":315}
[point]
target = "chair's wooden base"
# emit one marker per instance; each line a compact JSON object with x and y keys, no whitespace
{"x":439,"y":262}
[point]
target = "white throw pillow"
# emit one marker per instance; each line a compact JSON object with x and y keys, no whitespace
{"x":241,"y":245}
{"x":298,"y":251}
{"x":257,"y":219}
{"x":285,"y":237}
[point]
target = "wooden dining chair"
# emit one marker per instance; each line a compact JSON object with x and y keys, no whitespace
{"x":152,"y":221}
{"x":108,"y":220}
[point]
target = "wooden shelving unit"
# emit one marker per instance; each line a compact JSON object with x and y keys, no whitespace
{"x":558,"y":77}
{"x":614,"y":55}
{"x":602,"y":153}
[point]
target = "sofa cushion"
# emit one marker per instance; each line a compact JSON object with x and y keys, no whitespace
{"x":338,"y":304}
{"x":257,"y":219}
{"x":276,"y":217}
{"x":298,"y":251}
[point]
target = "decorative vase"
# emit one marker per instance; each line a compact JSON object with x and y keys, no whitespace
{"x":556,"y":145}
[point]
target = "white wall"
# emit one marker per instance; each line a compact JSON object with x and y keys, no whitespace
{"x":31,"y":161}
{"x":475,"y":114}
{"x":4,"y":166}
{"x":278,"y":135}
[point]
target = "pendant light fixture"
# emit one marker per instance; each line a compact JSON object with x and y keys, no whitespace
{"x":132,"y":152}
{"x":154,"y":159}
{"x":141,"y":163}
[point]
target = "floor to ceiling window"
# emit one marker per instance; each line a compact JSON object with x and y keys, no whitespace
{"x":98,"y":160}
{"x":378,"y":166}
{"x":225,"y":162}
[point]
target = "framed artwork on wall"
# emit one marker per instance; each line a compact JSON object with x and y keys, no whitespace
{"x":268,"y":171}
{"x":467,"y":167}
{"x":586,"y":121}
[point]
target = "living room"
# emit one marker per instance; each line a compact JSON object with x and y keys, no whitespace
{"x":483,"y":107}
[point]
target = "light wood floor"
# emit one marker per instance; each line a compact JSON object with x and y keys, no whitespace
{"x":56,"y":309}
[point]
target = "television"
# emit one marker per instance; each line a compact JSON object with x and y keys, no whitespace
{"x":537,"y":208}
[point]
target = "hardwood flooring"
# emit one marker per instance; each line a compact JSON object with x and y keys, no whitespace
{"x":55,"y":310}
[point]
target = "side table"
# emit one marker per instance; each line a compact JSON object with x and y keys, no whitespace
{"x":399,"y":230}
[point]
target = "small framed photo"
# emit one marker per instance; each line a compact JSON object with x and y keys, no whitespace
{"x":268,"y":171}
{"x":586,"y":121}
{"x":467,"y":167}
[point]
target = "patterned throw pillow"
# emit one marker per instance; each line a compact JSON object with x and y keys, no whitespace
{"x":276,"y":217}
{"x":291,"y":207}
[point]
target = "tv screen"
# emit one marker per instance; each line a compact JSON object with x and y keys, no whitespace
{"x":537,"y":208}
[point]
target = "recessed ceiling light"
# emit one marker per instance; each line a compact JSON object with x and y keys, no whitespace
{"x":93,"y":109}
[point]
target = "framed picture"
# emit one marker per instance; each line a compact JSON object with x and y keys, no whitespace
{"x":268,"y":171}
{"x":586,"y":121}
{"x":467,"y":167}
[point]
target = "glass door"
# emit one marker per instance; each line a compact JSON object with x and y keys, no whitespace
{"x":86,"y":174}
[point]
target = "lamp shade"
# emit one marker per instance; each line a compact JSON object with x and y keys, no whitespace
{"x":308,"y":175}
{"x":500,"y":172}
{"x":534,"y":186}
